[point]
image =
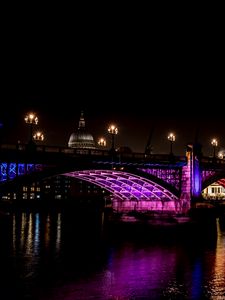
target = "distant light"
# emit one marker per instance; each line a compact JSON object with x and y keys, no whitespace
{"x":214,"y":142}
{"x":38,"y":136}
{"x":31,"y":118}
{"x":113,"y":129}
{"x":221,"y":154}
{"x":171,"y":137}
{"x":102,"y":142}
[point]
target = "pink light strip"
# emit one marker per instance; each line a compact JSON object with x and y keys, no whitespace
{"x":124,"y":185}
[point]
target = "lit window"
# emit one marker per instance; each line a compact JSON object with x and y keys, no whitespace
{"x":32,"y":195}
{"x":24,"y":195}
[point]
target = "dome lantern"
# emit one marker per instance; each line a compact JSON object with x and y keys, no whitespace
{"x":81,"y":138}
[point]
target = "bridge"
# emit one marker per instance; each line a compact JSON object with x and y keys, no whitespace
{"x":135,"y":181}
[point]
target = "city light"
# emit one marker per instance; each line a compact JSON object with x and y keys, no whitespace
{"x":31,"y":119}
{"x":214,"y":143}
{"x":102,"y":142}
{"x":221,"y":154}
{"x":38,"y":136}
{"x":171,"y":138}
{"x":113,"y":130}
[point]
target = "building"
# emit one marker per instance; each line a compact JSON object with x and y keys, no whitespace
{"x":81,"y":138}
{"x":214,"y":192}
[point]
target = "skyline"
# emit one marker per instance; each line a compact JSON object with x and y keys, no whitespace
{"x":58,"y":119}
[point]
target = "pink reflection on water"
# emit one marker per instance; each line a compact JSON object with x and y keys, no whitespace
{"x":130,"y":273}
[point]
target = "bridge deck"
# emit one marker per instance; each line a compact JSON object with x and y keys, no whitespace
{"x":45,"y":154}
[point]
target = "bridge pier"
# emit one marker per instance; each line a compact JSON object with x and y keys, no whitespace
{"x":191,"y":183}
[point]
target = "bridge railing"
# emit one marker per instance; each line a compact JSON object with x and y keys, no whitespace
{"x":212,"y":160}
{"x":34,"y":150}
{"x":99,"y":152}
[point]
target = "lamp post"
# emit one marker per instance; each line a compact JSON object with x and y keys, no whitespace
{"x":221,"y":154}
{"x":32,"y":120}
{"x":171,"y":138}
{"x":102,"y":142}
{"x":214,"y":143}
{"x":113,"y":130}
{"x":38,"y":136}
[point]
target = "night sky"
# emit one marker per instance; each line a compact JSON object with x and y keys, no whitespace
{"x":142,"y":80}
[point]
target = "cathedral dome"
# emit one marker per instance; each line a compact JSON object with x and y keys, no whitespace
{"x":81,"y":138}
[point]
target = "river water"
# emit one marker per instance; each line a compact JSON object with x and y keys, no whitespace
{"x":76,"y":254}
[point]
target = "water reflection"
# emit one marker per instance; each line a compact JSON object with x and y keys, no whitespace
{"x":36,"y":234}
{"x":58,"y":233}
{"x":72,"y":256}
{"x":217,"y":284}
{"x":47,"y":232}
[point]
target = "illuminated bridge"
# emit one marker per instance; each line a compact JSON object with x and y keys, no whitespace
{"x":134,"y":180}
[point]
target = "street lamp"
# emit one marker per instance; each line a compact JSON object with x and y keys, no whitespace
{"x":113,"y":130}
{"x":214,"y":143}
{"x":32,"y":120}
{"x":102,"y":142}
{"x":221,"y":154}
{"x":171,"y":138}
{"x":38,"y":136}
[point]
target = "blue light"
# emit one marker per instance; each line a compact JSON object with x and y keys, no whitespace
{"x":197,"y":180}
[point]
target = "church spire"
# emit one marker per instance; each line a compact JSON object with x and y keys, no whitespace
{"x":81,"y":138}
{"x":81,"y":121}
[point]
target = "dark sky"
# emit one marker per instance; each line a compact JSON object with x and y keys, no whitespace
{"x":162,"y":77}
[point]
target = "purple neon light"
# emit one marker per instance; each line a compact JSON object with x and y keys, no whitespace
{"x":124,"y":185}
{"x":206,"y":174}
{"x":171,"y":176}
{"x":197,"y":180}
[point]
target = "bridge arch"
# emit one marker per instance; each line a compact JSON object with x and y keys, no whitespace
{"x":130,"y":188}
{"x":155,"y":175}
{"x":218,"y":177}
